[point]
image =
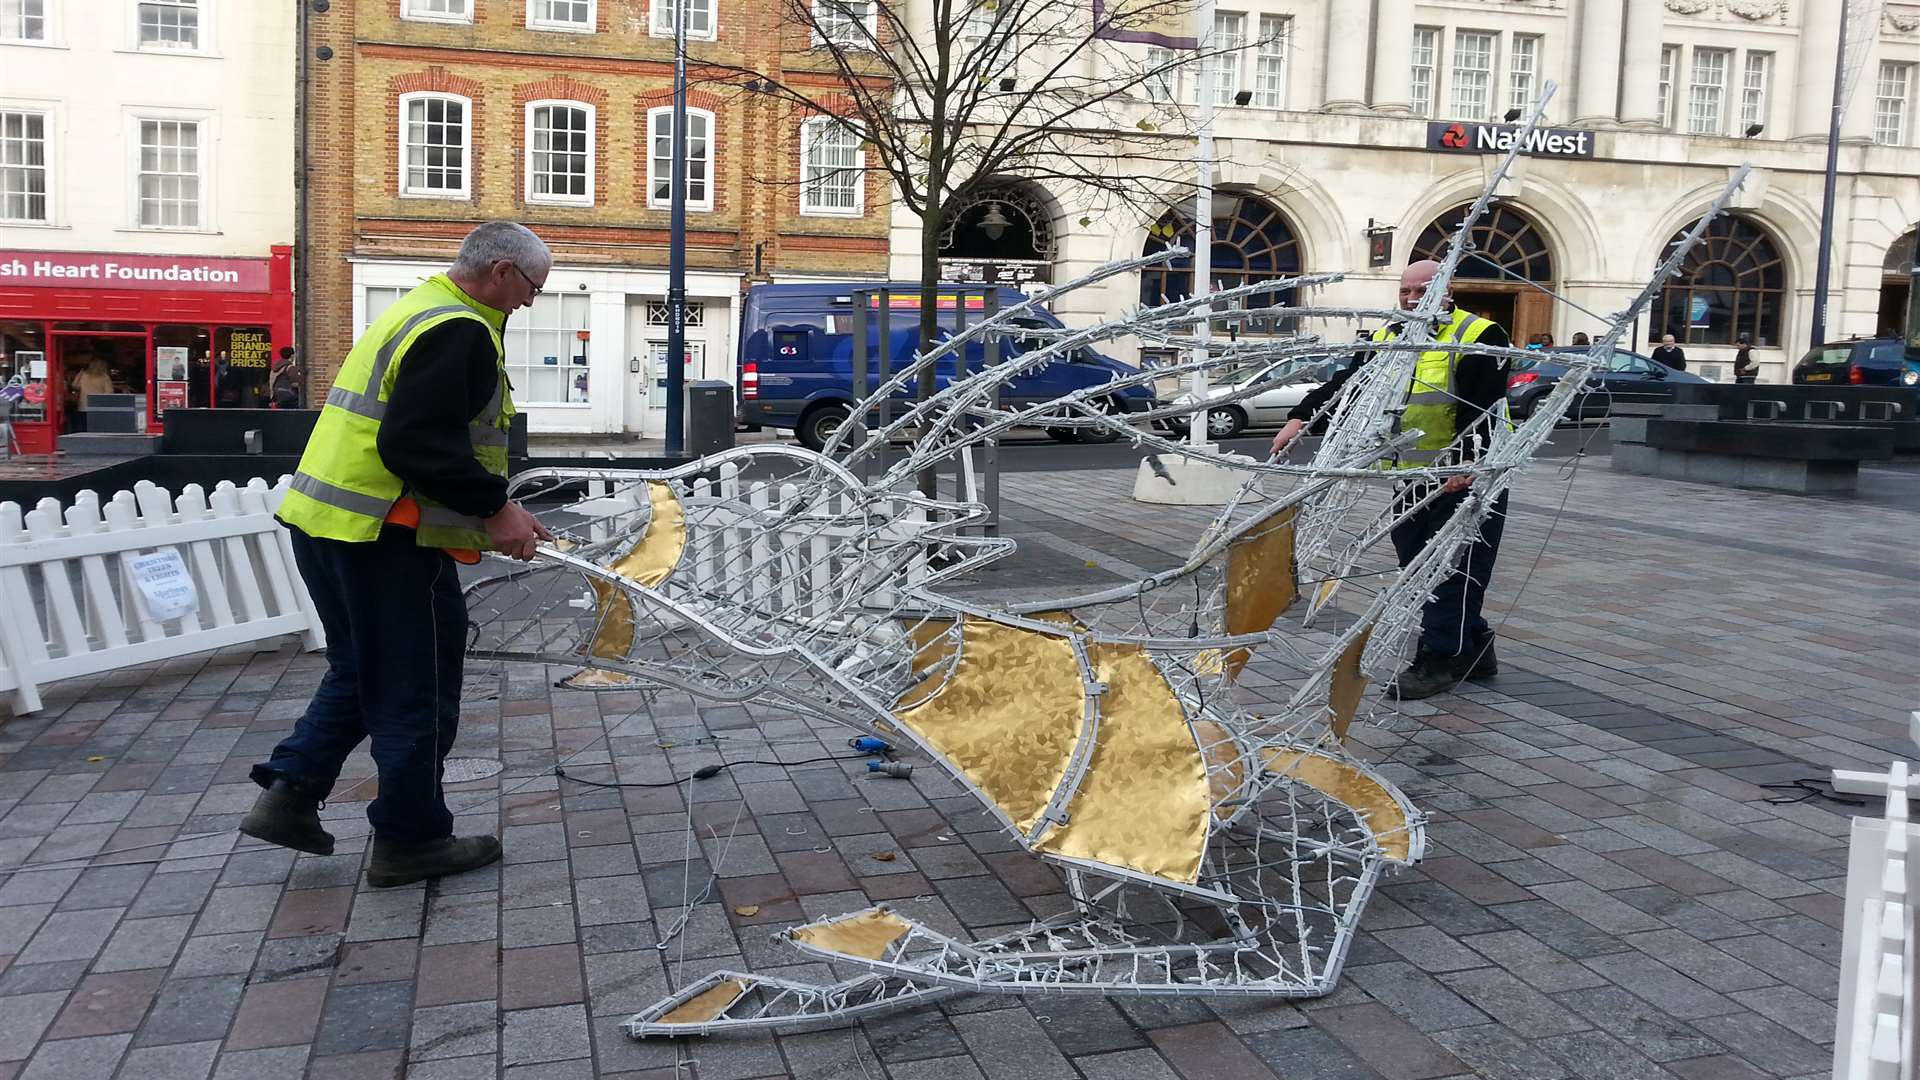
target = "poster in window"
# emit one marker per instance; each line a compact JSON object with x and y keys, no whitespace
{"x":170,"y":364}
{"x":250,"y":349}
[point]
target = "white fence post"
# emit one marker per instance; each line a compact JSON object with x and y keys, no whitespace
{"x":1874,"y":1035}
{"x":70,"y":605}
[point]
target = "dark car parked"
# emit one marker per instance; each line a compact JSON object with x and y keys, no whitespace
{"x":1531,"y":379}
{"x":1861,"y":362}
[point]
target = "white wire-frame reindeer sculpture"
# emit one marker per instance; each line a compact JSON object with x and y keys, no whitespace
{"x":1206,"y":850}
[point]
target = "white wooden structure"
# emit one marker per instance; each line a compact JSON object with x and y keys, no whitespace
{"x":70,"y":605}
{"x":1874,"y":1039}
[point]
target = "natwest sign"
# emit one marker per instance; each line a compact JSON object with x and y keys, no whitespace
{"x":92,"y":270}
{"x":1461,"y":137}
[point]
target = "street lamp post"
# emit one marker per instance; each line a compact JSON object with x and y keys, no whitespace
{"x":1197,"y":427}
{"x":1821,"y":269}
{"x":677,"y":242}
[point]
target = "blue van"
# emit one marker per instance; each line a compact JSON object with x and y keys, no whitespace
{"x":796,"y":356}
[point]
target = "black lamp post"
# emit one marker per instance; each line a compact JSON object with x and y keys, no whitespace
{"x":677,"y":243}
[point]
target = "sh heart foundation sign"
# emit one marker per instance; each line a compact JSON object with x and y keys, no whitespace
{"x":93,"y":270}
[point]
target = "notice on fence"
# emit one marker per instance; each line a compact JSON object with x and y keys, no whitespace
{"x":164,"y":584}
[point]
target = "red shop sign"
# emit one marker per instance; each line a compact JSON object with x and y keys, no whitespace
{"x":96,"y":270}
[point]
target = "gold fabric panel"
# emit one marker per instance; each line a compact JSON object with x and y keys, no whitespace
{"x":1007,"y":717}
{"x":1227,"y":771}
{"x":1143,"y":803}
{"x":868,"y":934}
{"x":647,"y":563}
{"x":1346,"y":784}
{"x":1261,"y":583}
{"x":707,"y":1004}
{"x":1348,"y":687}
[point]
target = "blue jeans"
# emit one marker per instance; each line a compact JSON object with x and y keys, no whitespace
{"x":1451,"y":623}
{"x":396,"y":626}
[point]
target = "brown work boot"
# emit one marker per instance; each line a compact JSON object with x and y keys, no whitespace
{"x":287,"y":814}
{"x":399,"y":863}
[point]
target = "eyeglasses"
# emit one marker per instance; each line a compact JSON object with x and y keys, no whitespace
{"x":525,"y":277}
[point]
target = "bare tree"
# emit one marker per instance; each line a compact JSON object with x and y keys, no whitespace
{"x":947,"y":97}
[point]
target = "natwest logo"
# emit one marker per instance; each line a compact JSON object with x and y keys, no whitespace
{"x":1465,"y":138}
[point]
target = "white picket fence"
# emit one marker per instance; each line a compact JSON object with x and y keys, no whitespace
{"x":1875,"y":1036}
{"x":70,"y":606}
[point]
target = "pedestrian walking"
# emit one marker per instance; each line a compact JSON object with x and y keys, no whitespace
{"x":1455,"y":399}
{"x":1670,"y":354}
{"x":1744,"y":369}
{"x":1580,"y":340}
{"x":406,"y":471}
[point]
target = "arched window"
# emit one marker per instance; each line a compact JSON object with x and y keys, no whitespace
{"x":1252,"y":242}
{"x":660,"y":158}
{"x":1506,"y":244}
{"x":560,"y":152}
{"x":1733,"y":282}
{"x":1901,"y":256}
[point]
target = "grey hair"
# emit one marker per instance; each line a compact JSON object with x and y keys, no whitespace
{"x":496,"y":240}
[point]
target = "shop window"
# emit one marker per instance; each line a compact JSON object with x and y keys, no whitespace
{"x":23,"y":167}
{"x":170,"y":24}
{"x":182,"y":368}
{"x":23,"y":371}
{"x":242,"y":367}
{"x":1733,"y":282}
{"x":699,"y":158}
{"x":23,"y":20}
{"x":560,"y":152}
{"x":169,"y":174}
{"x":546,"y":359}
{"x":574,"y":15}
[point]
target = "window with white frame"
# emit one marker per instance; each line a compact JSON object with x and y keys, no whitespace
{"x":438,"y":10}
{"x":1425,"y":62}
{"x":1754,"y":78}
{"x":1162,"y":80}
{"x":546,"y":360}
{"x":1523,"y":71}
{"x":699,"y":16}
{"x":1472,"y":74}
{"x":1669,"y":66}
{"x":23,"y":20}
{"x":576,"y":16}
{"x":1270,"y":62}
{"x":169,"y":24}
{"x":850,"y":24}
{"x":1891,"y":93}
{"x":560,"y":152}
{"x":1707,"y":92}
{"x":830,"y":168}
{"x":699,"y":158}
{"x":23,"y":167}
{"x":435,"y":145}
{"x":1222,"y":69}
{"x":167,"y":183}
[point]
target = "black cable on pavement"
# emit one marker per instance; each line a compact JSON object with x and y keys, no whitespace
{"x":704,"y":772}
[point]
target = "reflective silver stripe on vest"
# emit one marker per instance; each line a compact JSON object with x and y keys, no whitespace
{"x":487,"y":435}
{"x":1430,"y":397}
{"x":357,"y":404}
{"x":441,"y":517}
{"x":384,"y":358}
{"x":340,"y":498}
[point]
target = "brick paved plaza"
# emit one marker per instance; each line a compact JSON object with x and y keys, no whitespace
{"x":1606,"y":892}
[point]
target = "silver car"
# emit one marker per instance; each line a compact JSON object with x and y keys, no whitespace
{"x":1267,"y":408}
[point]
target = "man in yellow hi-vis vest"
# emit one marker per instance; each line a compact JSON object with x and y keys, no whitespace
{"x":406,"y":472}
{"x":1454,"y":399}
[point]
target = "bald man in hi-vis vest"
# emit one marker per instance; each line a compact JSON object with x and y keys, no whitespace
{"x":1455,"y":399}
{"x":405,"y":474}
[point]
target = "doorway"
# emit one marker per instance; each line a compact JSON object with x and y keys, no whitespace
{"x":86,"y":364}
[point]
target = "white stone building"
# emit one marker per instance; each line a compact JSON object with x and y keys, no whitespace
{"x":1340,"y":120}
{"x":146,"y":200}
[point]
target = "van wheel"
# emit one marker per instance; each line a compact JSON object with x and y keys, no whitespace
{"x":1065,"y":435}
{"x":1102,"y":435}
{"x":819,"y":424}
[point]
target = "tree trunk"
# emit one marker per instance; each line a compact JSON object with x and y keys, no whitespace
{"x":930,"y":229}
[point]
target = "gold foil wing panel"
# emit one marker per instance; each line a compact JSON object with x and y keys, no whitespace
{"x":647,"y":562}
{"x":1261,"y":583}
{"x":868,"y":934}
{"x":1008,"y":716}
{"x":707,"y":1004}
{"x":1143,"y":802}
{"x":1348,"y":686}
{"x":1353,"y":787}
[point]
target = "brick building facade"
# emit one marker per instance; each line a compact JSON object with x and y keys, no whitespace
{"x":430,"y":116}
